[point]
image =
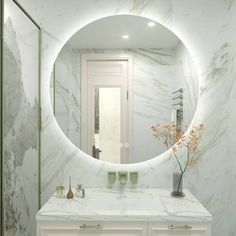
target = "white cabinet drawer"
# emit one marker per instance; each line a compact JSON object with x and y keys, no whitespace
{"x":92,"y":229}
{"x":122,"y":229}
{"x":158,"y":229}
{"x":58,"y":232}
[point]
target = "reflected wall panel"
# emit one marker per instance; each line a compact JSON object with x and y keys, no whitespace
{"x":1,"y":57}
{"x":20,"y":122}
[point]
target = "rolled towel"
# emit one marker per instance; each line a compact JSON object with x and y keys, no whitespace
{"x":173,"y":117}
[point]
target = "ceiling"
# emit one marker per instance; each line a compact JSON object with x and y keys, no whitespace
{"x":107,"y":33}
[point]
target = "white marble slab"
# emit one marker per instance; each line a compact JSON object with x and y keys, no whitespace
{"x":125,"y":205}
{"x":20,"y":122}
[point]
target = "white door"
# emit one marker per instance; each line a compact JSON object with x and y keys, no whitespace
{"x":105,"y":110}
{"x":179,"y":230}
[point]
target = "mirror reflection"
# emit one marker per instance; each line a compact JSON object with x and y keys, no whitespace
{"x":115,"y":79}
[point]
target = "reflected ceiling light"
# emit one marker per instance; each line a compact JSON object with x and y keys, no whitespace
{"x":125,"y":36}
{"x":151,"y":24}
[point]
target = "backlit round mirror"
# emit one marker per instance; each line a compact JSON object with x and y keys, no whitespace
{"x":115,"y":79}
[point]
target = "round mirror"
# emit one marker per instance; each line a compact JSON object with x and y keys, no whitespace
{"x":115,"y":79}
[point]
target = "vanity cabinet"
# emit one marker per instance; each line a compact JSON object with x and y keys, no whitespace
{"x":123,"y":228}
{"x":133,"y":212}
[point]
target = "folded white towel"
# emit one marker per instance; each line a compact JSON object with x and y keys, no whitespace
{"x":96,"y":141}
{"x":173,"y":117}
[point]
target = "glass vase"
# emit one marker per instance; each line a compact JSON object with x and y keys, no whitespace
{"x":177,"y":184}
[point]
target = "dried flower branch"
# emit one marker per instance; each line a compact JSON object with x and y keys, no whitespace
{"x":172,"y":137}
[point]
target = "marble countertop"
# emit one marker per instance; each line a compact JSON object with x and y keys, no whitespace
{"x":125,"y":205}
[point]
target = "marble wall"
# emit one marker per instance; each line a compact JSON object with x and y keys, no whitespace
{"x":156,"y":74}
{"x":1,"y":67}
{"x":67,"y":93}
{"x":207,"y":28}
{"x":153,"y":84}
{"x":187,"y":78}
{"x":20,"y":114}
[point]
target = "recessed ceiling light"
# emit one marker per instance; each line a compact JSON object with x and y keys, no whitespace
{"x":125,"y":36}
{"x":151,"y":24}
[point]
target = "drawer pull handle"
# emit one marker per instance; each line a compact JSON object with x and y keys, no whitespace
{"x":179,"y":227}
{"x":84,"y":226}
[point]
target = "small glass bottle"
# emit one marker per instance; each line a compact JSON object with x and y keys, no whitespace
{"x":80,"y":192}
{"x":60,"y":191}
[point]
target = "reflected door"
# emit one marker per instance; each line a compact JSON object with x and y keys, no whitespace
{"x":106,"y":129}
{"x":107,"y":124}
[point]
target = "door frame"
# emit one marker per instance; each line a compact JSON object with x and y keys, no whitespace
{"x":84,"y":88}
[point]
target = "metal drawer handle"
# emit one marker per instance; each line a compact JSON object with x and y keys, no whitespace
{"x":173,"y":227}
{"x":84,"y":226}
